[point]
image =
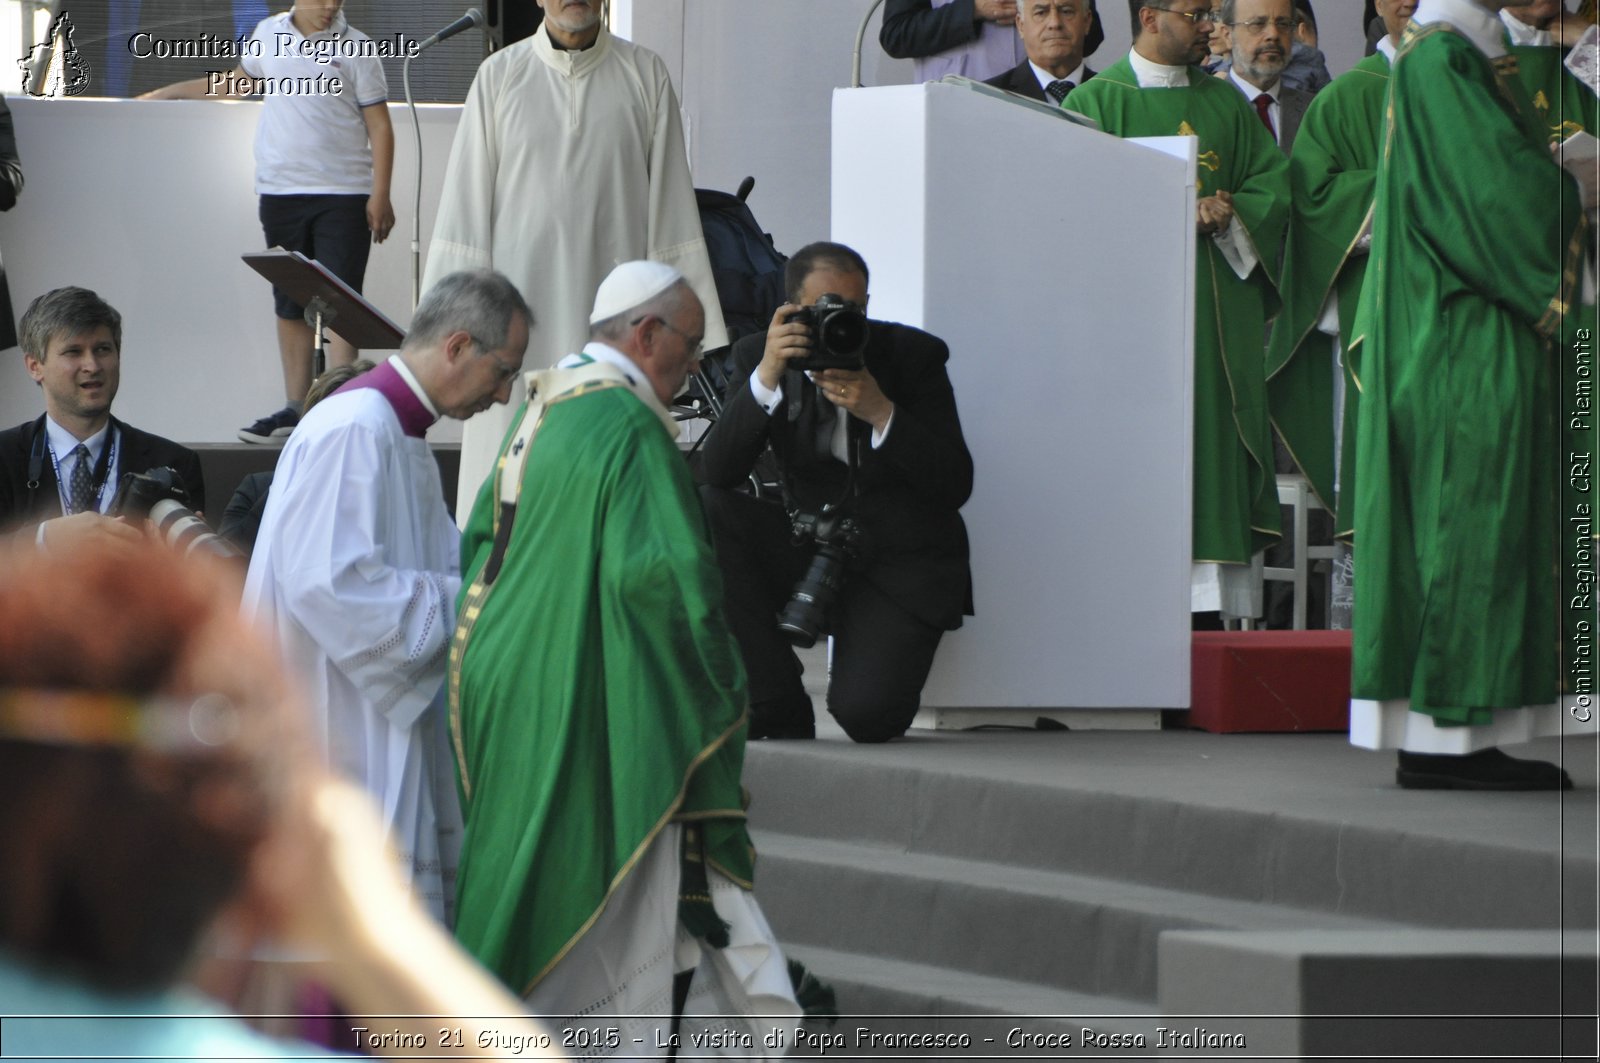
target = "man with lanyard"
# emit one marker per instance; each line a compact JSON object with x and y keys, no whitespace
{"x":59,"y":473}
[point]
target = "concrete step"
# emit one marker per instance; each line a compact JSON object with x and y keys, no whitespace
{"x":881,"y":999}
{"x":1311,"y":831}
{"x":1066,"y":931}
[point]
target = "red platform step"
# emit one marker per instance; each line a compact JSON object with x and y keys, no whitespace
{"x":1269,"y":681}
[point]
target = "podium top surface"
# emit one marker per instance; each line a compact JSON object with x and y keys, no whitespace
{"x":344,"y":311}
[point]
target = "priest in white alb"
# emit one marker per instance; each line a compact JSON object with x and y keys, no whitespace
{"x":357,"y":564}
{"x":569,"y":159}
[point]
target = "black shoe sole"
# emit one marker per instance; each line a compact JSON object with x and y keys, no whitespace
{"x":1421,"y":780}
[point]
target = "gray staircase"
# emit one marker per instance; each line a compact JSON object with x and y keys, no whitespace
{"x":1022,"y":874}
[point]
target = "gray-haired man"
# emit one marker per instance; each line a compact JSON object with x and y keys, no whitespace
{"x":357,"y":562}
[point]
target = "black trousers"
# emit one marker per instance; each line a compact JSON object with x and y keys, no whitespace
{"x":881,"y":652}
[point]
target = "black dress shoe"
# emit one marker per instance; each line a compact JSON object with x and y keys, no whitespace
{"x":782,"y":720}
{"x":1487,"y":769}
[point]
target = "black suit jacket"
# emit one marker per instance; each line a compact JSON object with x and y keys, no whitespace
{"x":912,"y":29}
{"x":911,"y":488}
{"x":1020,"y":80}
{"x":136,"y":452}
{"x":915,"y":28}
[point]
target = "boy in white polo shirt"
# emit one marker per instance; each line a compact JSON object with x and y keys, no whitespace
{"x":324,"y":153}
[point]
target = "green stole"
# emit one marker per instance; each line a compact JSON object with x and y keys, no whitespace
{"x":1235,"y":494}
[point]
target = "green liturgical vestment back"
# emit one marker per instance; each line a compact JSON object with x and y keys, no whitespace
{"x":597,"y":692}
{"x":1477,"y":237}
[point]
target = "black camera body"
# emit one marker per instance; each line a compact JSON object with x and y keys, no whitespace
{"x":838,"y":539}
{"x":839,"y":333}
{"x":160,"y":497}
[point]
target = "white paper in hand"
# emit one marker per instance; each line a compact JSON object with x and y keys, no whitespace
{"x":1584,"y":59}
{"x":1579,"y":155}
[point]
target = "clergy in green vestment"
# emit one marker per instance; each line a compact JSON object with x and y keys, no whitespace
{"x":1332,"y":172}
{"x":1478,"y":239}
{"x":598,"y":703}
{"x":1540,"y":44}
{"x":1242,"y":204}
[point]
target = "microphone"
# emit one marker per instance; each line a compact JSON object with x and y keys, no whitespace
{"x":472,"y":18}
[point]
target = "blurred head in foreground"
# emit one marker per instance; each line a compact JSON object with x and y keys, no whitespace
{"x":145,"y":746}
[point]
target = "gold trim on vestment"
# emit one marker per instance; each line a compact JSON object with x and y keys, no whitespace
{"x":478,"y":592}
{"x":638,"y":853}
{"x":1233,"y":395}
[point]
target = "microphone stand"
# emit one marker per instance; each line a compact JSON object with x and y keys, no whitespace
{"x":416,"y":127}
{"x":416,"y":207}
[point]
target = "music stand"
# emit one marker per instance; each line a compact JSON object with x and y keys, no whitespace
{"x":328,"y":301}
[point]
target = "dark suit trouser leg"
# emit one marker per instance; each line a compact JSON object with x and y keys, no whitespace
{"x":881,"y":658}
{"x":760,"y":566}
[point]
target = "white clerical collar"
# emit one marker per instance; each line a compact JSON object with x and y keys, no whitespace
{"x":1480,"y":26}
{"x":1524,"y":34}
{"x":1386,"y":48}
{"x":1045,"y":77}
{"x":412,"y":383}
{"x":63,"y":442}
{"x":1152,"y":75}
{"x":601,"y":351}
{"x":638,"y":383}
{"x":1250,"y":91}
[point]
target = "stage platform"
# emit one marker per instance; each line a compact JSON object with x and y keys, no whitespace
{"x":1148,"y":881}
{"x":224,"y":465}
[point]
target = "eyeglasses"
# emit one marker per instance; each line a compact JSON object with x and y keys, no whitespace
{"x":505,"y":370}
{"x":1257,"y":26}
{"x":696,"y":346}
{"x":1194,"y":17}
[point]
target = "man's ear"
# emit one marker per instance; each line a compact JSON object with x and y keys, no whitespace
{"x":35,"y":368}
{"x":458,"y":345}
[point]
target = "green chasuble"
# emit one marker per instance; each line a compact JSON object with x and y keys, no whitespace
{"x":1235,"y":492}
{"x":1332,"y":172}
{"x":596,"y":691}
{"x":1562,"y":102}
{"x":1477,"y":240}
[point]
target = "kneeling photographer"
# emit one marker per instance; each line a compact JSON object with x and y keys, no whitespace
{"x":866,"y":542}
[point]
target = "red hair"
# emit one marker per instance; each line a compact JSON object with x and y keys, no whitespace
{"x":119,"y":854}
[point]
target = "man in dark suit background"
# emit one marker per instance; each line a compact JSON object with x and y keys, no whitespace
{"x":1262,"y":32}
{"x":894,"y":422}
{"x":1057,"y":35}
{"x":59,"y":473}
{"x":972,"y":38}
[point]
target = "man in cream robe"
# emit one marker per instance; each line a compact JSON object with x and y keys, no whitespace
{"x":568,"y":160}
{"x":356,"y":565}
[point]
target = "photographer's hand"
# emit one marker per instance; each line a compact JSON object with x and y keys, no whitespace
{"x":786,"y":340}
{"x":88,"y":531}
{"x":856,"y":392}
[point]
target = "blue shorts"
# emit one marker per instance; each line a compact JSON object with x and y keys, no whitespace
{"x":329,"y":228}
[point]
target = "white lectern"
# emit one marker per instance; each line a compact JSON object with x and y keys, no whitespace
{"x":1058,"y":263}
